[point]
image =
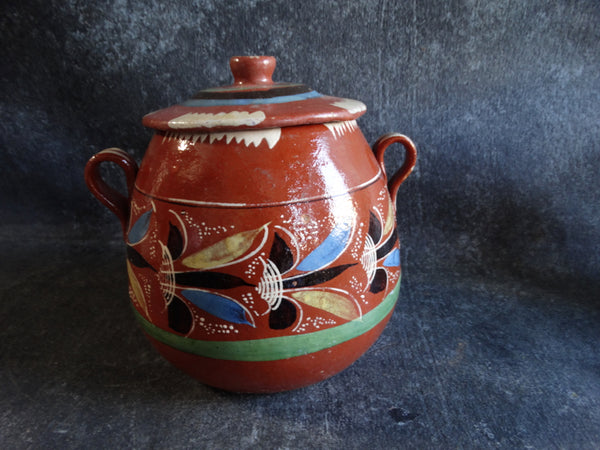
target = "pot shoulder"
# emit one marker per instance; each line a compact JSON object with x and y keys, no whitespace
{"x":258,"y":167}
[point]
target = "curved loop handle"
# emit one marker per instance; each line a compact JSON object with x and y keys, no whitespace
{"x":410,"y":159}
{"x":108,"y":196}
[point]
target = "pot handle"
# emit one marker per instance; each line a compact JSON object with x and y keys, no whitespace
{"x":108,"y":196}
{"x":410,"y":159}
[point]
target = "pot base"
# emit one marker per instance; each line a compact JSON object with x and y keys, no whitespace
{"x":279,"y":374}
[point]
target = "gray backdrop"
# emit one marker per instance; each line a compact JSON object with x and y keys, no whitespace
{"x":500,"y":217}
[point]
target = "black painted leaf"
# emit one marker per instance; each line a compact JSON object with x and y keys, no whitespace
{"x":209,"y":280}
{"x":281,"y":255}
{"x":388,"y":245}
{"x":180,"y":317}
{"x":284,"y":316}
{"x":374,"y":228}
{"x":314,"y":278}
{"x":136,"y":259}
{"x":379,"y":282}
{"x":175,"y":241}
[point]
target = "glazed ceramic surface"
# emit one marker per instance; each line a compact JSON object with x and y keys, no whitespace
{"x":262,"y":249}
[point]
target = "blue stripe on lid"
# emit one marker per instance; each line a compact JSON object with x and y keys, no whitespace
{"x":251,"y":101}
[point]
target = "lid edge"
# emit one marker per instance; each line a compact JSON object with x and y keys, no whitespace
{"x":314,"y":110}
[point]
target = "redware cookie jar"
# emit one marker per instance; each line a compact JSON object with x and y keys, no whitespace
{"x":262,"y":249}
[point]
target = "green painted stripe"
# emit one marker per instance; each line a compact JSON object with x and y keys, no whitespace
{"x":282,"y":347}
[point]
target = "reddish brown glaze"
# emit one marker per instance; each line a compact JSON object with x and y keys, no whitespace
{"x":308,"y":162}
{"x":252,"y":71}
{"x":318,"y":110}
{"x":109,"y":197}
{"x":272,"y":376}
{"x":261,"y":256}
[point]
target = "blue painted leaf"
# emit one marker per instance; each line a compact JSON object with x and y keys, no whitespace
{"x":329,"y":249}
{"x":140,"y":228}
{"x":393,"y":259}
{"x":217,"y":305}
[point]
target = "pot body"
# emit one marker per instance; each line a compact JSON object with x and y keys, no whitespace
{"x":263,"y":260}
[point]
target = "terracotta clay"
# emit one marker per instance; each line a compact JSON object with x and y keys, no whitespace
{"x":262,"y":248}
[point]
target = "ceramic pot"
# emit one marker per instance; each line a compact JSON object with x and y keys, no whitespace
{"x":262,"y":249}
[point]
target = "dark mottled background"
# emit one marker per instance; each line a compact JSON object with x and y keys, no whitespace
{"x":494,"y":343}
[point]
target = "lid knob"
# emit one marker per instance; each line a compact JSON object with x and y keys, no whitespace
{"x":252,"y":69}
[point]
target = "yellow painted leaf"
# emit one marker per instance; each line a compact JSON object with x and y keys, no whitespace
{"x":224,"y":251}
{"x":138,"y":293}
{"x":328,"y":301}
{"x":389,"y":218}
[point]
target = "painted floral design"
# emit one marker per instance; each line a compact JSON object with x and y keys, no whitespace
{"x":284,"y":283}
{"x":380,"y":247}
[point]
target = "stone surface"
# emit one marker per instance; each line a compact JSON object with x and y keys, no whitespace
{"x":494,"y":342}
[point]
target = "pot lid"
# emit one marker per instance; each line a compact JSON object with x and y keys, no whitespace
{"x":254,"y":101}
